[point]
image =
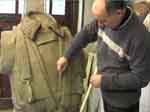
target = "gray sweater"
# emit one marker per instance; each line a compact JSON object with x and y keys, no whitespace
{"x":122,"y":79}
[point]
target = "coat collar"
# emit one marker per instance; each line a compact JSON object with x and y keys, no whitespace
{"x":29,"y":27}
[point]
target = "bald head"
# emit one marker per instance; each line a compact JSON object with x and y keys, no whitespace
{"x":99,"y":8}
{"x":103,"y":7}
{"x":109,"y":13}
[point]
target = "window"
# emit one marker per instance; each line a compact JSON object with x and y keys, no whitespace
{"x":10,"y":13}
{"x":11,"y":6}
{"x":65,"y":14}
{"x":21,"y":6}
{"x":7,"y":6}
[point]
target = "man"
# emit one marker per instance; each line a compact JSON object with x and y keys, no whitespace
{"x":29,"y":53}
{"x":141,"y":8}
{"x":123,"y":53}
{"x":145,"y":94}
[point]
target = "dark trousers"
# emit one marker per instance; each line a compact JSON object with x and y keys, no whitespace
{"x":133,"y":108}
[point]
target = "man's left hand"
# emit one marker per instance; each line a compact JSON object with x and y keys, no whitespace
{"x":95,"y":80}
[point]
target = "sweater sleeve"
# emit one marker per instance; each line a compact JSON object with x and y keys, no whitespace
{"x":86,"y":35}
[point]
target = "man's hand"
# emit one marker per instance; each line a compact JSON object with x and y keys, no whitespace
{"x":95,"y":80}
{"x":61,"y":64}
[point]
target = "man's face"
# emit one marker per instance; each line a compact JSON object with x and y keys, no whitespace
{"x":104,"y":18}
{"x":111,"y":21}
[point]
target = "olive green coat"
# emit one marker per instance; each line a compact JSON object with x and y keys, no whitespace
{"x":29,"y":53}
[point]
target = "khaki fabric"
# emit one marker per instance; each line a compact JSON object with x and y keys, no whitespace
{"x":34,"y":76}
{"x":7,"y":58}
{"x":147,"y":22}
{"x":43,"y":106}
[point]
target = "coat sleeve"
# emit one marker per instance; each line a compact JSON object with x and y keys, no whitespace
{"x":7,"y":52}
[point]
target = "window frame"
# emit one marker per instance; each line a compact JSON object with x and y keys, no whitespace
{"x":8,"y":20}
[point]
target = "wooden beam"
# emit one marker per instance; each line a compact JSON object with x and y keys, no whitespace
{"x":17,"y":7}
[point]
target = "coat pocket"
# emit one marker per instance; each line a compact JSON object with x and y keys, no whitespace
{"x":45,"y":37}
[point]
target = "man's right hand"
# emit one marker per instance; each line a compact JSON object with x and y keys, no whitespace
{"x":61,"y":64}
